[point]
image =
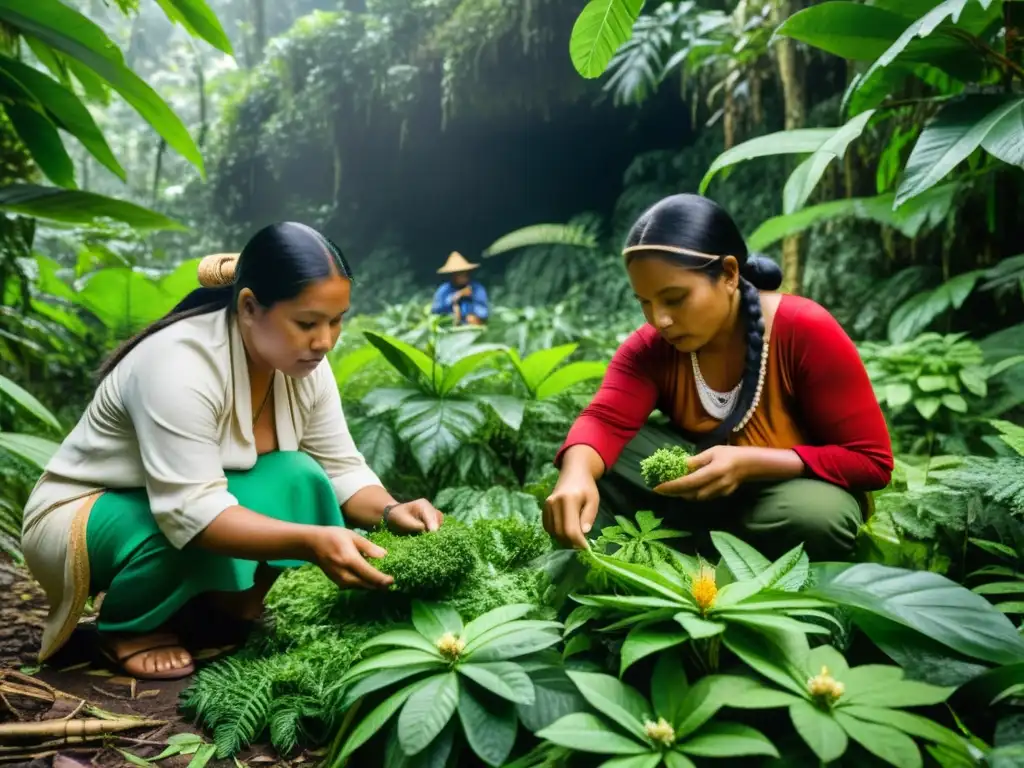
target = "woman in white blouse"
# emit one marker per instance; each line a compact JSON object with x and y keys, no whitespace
{"x":213,"y":454}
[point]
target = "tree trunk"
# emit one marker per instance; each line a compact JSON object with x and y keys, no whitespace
{"x":791,"y":76}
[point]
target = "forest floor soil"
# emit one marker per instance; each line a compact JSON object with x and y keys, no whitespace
{"x":86,"y":680}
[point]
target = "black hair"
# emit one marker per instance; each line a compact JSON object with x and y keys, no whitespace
{"x":276,"y":264}
{"x":695,"y":223}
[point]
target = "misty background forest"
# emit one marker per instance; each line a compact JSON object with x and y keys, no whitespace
{"x":873,"y":148}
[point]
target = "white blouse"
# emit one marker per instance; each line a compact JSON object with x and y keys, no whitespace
{"x":172,"y":416}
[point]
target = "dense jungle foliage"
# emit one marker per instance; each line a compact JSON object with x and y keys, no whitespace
{"x":873,"y":147}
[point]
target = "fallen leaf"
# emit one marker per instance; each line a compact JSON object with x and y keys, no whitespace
{"x":148,"y":694}
{"x":73,"y":667}
{"x":125,"y":681}
{"x":100,"y":673}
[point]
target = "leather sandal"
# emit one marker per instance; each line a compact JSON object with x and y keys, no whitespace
{"x":151,"y":644}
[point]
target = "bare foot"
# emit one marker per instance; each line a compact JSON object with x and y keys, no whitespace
{"x":157,"y":656}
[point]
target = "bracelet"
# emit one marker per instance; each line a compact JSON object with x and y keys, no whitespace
{"x":387,"y":511}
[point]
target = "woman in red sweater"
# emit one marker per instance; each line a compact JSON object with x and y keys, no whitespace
{"x":768,"y":386}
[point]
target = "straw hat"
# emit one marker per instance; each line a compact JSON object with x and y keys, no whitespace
{"x":456,"y":263}
{"x":217,"y":269}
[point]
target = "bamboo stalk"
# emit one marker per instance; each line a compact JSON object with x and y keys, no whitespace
{"x":72,"y":730}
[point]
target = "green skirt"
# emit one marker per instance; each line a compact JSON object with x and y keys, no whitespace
{"x":147,"y":581}
{"x":771,"y":517}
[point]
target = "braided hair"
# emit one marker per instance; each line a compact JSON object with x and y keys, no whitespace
{"x":276,"y":264}
{"x":692,"y":223}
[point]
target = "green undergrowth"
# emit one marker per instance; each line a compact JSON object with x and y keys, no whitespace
{"x":284,"y":683}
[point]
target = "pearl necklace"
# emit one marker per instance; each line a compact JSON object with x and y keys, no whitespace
{"x":719,"y":405}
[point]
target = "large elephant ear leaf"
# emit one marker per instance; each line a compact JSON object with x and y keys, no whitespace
{"x":922,"y":604}
{"x":601,"y":28}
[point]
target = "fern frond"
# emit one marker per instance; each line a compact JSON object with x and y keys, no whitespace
{"x":1012,"y":434}
{"x":1000,"y":480}
{"x":543,"y":234}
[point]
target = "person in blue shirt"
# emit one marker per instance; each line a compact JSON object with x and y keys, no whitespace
{"x":461,"y":297}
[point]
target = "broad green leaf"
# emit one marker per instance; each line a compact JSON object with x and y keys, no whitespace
{"x":66,"y":109}
{"x":728,"y":740}
{"x":413,"y":364}
{"x":908,"y":722}
{"x":583,"y":732}
{"x":70,"y":32}
{"x":495,"y":618}
{"x":389,"y":660}
{"x":402,"y":638}
{"x":427,"y":711}
{"x":455,"y":374}
{"x":521,"y":642}
{"x":669,"y":686}
{"x":509,"y":628}
{"x":378,"y":717}
{"x":805,"y":178}
{"x":124,"y":299}
{"x":377,"y":442}
{"x":916,"y":314}
{"x":954,"y":402}
{"x":699,"y":628}
{"x":678,"y":760}
{"x":819,"y":730}
{"x":642,"y":578}
{"x":949,"y":138}
{"x":41,"y":139}
{"x":600,"y":29}
{"x":779,"y":656}
{"x":197,"y":18}
{"x":432,"y":620}
{"x":883,"y":741}
{"x":27,"y":401}
{"x":796,"y":142}
{"x":642,"y":642}
{"x":613,"y":699}
{"x":539,"y":365}
{"x":743,"y":560}
{"x":705,"y":697}
{"x":924,"y":211}
{"x":384,"y":678}
{"x":846,"y":29}
{"x":502,"y":678}
{"x":508,"y":408}
{"x":633,"y":761}
{"x":827,"y":656}
{"x":928,"y":406}
{"x":1000,"y":588}
{"x":555,"y":696}
{"x":918,"y":43}
{"x":792,"y":567}
{"x":1006,"y":138}
{"x":767,"y":620}
{"x":569,"y":376}
{"x":345,"y":366}
{"x":882,"y":686}
{"x":434,"y":428}
{"x":35,"y":450}
{"x":490,"y":726}
{"x":76,"y":207}
{"x":928,"y":603}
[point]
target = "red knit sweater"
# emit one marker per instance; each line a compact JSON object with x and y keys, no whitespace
{"x":817,"y":399}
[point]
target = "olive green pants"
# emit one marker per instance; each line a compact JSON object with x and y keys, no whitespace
{"x":147,"y":580}
{"x":771,"y":517}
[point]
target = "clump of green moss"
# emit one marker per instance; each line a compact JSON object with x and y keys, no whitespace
{"x":427,"y":565}
{"x":665,"y":464}
{"x":509,"y":542}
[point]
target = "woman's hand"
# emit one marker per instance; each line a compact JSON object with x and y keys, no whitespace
{"x":570,"y":510}
{"x":417,"y":516}
{"x":341,"y":554}
{"x":716,"y":472}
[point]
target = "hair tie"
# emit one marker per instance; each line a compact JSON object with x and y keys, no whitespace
{"x":217,"y":270}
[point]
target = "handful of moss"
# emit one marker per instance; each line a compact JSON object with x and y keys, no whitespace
{"x":664,"y":464}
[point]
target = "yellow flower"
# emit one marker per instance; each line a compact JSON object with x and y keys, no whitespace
{"x":450,"y":646}
{"x":825,"y":687}
{"x":661,"y":732}
{"x":703,"y":589}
